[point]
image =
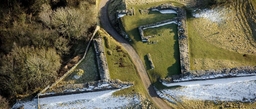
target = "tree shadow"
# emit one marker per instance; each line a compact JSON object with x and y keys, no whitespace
{"x":147,"y":63}
{"x":175,"y":68}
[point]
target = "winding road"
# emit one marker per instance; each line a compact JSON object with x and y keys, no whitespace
{"x":105,"y":23}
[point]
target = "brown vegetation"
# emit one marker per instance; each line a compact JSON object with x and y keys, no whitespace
{"x":3,"y":103}
{"x":36,"y":37}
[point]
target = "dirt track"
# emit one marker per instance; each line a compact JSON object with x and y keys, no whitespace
{"x":133,"y":54}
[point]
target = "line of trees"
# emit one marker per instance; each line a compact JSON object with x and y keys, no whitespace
{"x":36,"y":37}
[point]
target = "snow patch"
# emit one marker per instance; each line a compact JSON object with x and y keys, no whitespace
{"x":167,"y":11}
{"x":120,"y":15}
{"x":236,"y":91}
{"x":77,"y":76}
{"x":215,"y":15}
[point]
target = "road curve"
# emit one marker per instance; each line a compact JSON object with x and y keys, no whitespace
{"x":104,"y":20}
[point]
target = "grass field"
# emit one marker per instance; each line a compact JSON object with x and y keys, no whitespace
{"x":121,"y":66}
{"x":199,"y":104}
{"x":89,"y":68}
{"x":225,"y":44}
{"x":164,"y":51}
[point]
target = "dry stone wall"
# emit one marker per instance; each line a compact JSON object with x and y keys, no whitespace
{"x":183,"y":41}
{"x":154,"y":25}
{"x":212,"y":74}
{"x":101,"y":59}
{"x":164,"y":7}
{"x":86,"y":87}
{"x":187,"y":3}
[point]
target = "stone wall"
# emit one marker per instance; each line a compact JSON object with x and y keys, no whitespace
{"x":180,"y":20}
{"x":187,"y":3}
{"x":212,"y":74}
{"x":101,"y":59}
{"x":86,"y":87}
{"x":183,"y":41}
{"x":163,"y":7}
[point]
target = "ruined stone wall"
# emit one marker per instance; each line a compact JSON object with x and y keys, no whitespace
{"x":138,"y":2}
{"x":187,"y":3}
{"x":212,"y":74}
{"x":183,"y":41}
{"x":101,"y":59}
{"x":180,"y":20}
{"x":219,"y":73}
{"x":154,"y":25}
{"x":86,"y":87}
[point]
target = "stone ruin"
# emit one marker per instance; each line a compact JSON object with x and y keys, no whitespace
{"x":154,"y":25}
{"x":180,"y":20}
{"x":163,"y":7}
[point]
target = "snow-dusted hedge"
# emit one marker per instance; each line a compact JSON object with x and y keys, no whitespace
{"x":86,"y":87}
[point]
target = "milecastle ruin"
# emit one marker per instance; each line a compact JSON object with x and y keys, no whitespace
{"x":180,"y":21}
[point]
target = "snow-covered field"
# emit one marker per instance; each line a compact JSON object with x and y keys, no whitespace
{"x":235,"y":91}
{"x":92,"y":100}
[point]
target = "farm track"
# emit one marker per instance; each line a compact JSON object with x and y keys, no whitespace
{"x":244,"y":11}
{"x":105,"y":23}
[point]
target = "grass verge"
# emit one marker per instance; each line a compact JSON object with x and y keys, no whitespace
{"x":121,"y":66}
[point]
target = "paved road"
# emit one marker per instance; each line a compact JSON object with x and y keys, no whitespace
{"x":133,"y":54}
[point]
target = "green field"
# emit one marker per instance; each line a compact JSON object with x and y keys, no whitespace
{"x":89,"y":68}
